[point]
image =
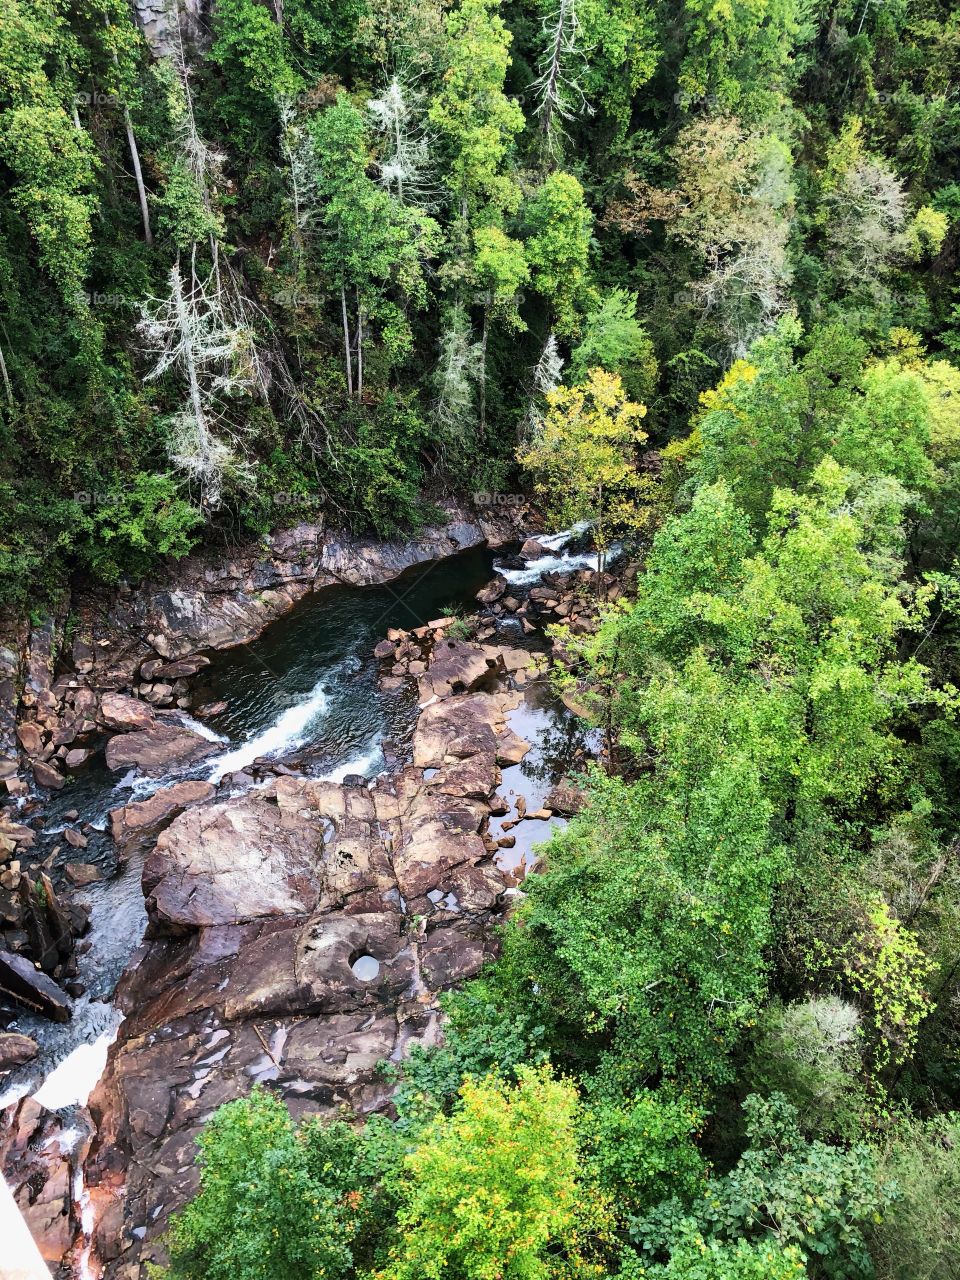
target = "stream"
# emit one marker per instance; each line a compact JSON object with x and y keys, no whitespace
{"x":306,"y":689}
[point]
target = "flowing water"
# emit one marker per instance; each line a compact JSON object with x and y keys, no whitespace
{"x":308,"y":689}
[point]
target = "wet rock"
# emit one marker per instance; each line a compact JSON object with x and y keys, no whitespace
{"x":492,"y":592}
{"x":566,"y":799}
{"x":158,"y":749}
{"x":533,"y":550}
{"x":457,"y":666}
{"x":15,"y":1050}
{"x":78,"y":756}
{"x":156,"y":668}
{"x":74,"y":838}
{"x":81,"y":874}
{"x":39,"y":1156}
{"x":31,"y":988}
{"x":46,"y":775}
{"x":144,"y":818}
{"x":385,"y":650}
{"x":118,"y":711}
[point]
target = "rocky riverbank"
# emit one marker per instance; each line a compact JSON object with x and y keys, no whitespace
{"x":299,"y":934}
{"x":153,"y":640}
{"x":300,"y":930}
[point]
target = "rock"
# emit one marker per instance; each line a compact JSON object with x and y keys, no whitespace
{"x":30,"y":736}
{"x":31,"y":988}
{"x":156,"y":667}
{"x":78,"y":756}
{"x":566,"y":799}
{"x":158,"y":749}
{"x":15,"y":1050}
{"x":46,"y":775}
{"x":118,"y":711}
{"x":533,"y":550}
{"x":16,"y":786}
{"x":144,"y":818}
{"x":81,"y":874}
{"x":511,"y":748}
{"x":74,"y":839}
{"x":212,"y":709}
{"x":230,"y":862}
{"x":492,"y":592}
{"x":457,"y":667}
{"x":384,"y":650}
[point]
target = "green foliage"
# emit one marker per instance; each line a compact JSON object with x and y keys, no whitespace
{"x":918,"y":1237}
{"x":584,"y":456}
{"x":269,"y":1207}
{"x":475,"y":121}
{"x":614,"y":340}
{"x":127,"y":529}
{"x":696,"y":1258}
{"x":559,"y":222}
{"x":491,"y":1186}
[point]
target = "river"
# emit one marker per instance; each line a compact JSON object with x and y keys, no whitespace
{"x":306,"y":688}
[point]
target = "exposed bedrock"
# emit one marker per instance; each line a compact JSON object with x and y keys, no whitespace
{"x":299,"y":935}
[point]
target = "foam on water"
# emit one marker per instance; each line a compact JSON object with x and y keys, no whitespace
{"x":289,"y":731}
{"x":363,"y":764}
{"x":534,"y":570}
{"x":71,"y":1083}
{"x":198,"y":727}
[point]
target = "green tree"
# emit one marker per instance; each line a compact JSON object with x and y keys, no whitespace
{"x":374,"y":249}
{"x":558,"y":224}
{"x":474,"y":120}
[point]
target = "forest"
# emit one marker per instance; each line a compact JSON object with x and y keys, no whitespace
{"x":687,"y":271}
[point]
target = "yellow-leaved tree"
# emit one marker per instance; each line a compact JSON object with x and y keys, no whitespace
{"x":584,"y":458}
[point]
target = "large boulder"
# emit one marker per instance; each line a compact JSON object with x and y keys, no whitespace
{"x":230,"y":862}
{"x":139,"y":821}
{"x":158,"y":749}
{"x":118,"y":711}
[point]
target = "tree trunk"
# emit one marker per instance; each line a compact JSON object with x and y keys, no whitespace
{"x":346,"y":341}
{"x":483,"y":371}
{"x":134,"y":157}
{"x":138,"y":175}
{"x":359,"y":348}
{"x":6,"y":379}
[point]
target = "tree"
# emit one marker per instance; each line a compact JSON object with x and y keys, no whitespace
{"x":189,"y":333}
{"x":557,"y":89}
{"x":559,"y":223}
{"x":264,"y":1210}
{"x":374,"y":249}
{"x":613,"y":339}
{"x":742,"y":56}
{"x":500,"y":268}
{"x":474,"y":120}
{"x":584,"y":458}
{"x":491,"y":1186}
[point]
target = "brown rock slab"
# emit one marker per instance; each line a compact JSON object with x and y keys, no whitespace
{"x":81,"y":874}
{"x":119,"y":711}
{"x":46,"y":775}
{"x":145,"y":817}
{"x":157,"y":749}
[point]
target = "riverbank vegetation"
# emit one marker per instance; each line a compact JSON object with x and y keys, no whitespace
{"x":338,"y":260}
{"x":326,"y":261}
